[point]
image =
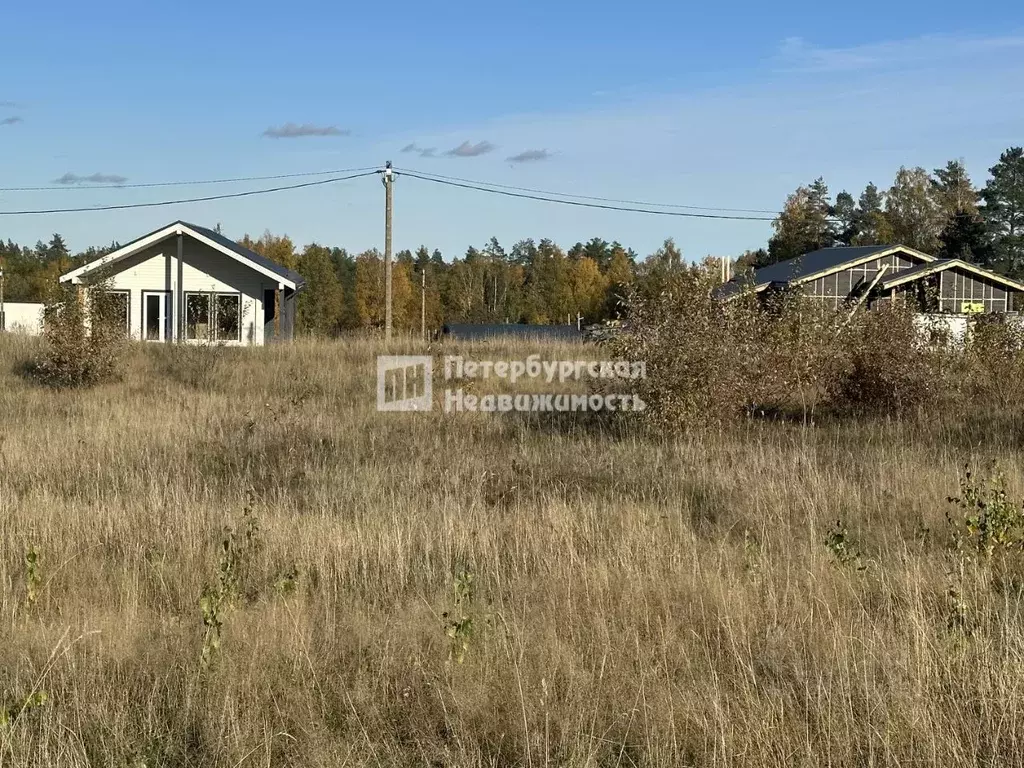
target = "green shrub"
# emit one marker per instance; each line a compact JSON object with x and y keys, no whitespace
{"x":84,"y":335}
{"x":990,"y":522}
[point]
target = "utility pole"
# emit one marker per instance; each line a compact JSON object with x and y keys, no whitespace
{"x":389,"y":181}
{"x":3,"y":316}
{"x":423,"y":302}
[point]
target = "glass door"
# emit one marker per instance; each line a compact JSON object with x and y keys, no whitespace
{"x":154,"y":315}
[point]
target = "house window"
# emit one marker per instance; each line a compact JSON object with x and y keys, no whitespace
{"x":197,"y":316}
{"x":120,"y":302}
{"x":966,"y":294}
{"x":229,"y":317}
{"x":213,"y":317}
{"x":114,"y":308}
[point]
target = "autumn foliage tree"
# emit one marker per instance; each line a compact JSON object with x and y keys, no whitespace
{"x":536,"y":281}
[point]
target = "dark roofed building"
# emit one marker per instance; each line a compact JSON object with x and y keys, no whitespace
{"x":477,"y":331}
{"x":879,"y":273}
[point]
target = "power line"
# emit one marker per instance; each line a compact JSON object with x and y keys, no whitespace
{"x":205,"y":199}
{"x":591,"y":197}
{"x":581,"y":204}
{"x":198,"y":182}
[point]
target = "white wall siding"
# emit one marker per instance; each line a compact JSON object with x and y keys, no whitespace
{"x":23,"y":317}
{"x":204,"y":270}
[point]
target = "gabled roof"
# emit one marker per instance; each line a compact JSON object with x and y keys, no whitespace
{"x":932,"y":268}
{"x":263,"y":265}
{"x":815,"y":264}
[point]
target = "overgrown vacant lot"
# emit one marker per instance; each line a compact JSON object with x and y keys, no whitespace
{"x":462,"y":590}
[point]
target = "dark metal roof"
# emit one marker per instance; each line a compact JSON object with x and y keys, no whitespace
{"x":520,"y":330}
{"x":245,"y":253}
{"x":822,"y":260}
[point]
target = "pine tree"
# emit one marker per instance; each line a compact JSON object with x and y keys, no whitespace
{"x":872,"y":224}
{"x":965,"y":237}
{"x":1004,"y":211}
{"x":845,"y":213}
{"x":804,"y":224}
{"x":749,"y":260}
{"x":422,"y":257}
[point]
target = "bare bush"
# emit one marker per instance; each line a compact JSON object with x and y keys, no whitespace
{"x":995,"y":361}
{"x":891,"y":370}
{"x":698,"y":351}
{"x":712,"y":361}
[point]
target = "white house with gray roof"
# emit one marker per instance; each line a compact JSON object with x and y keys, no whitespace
{"x":191,"y":284}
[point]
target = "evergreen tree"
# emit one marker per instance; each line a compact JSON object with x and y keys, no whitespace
{"x":494,"y":250}
{"x":872,"y":225}
{"x":57,"y":249}
{"x":749,"y":260}
{"x":422,"y":257}
{"x":845,"y":214}
{"x":965,"y":237}
{"x":1004,"y":211}
{"x":524,"y":252}
{"x":804,"y":224}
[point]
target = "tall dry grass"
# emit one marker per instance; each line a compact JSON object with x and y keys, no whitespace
{"x":635,"y":599}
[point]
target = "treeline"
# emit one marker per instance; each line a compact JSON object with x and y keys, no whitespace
{"x":941,"y":213}
{"x":532,"y":282}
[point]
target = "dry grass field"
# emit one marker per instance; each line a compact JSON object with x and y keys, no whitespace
{"x":484,"y":590}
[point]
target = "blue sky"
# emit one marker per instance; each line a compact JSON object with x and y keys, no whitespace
{"x":723,"y":104}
